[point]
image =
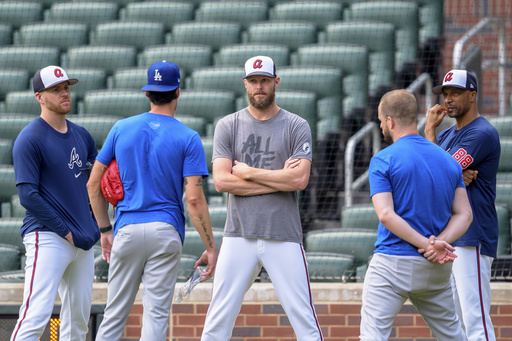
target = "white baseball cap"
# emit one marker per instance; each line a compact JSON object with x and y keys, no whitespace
{"x":461,"y":79}
{"x":50,"y":76}
{"x":260,"y":65}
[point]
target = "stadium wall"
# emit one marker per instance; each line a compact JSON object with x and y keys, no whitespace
{"x":338,"y":308}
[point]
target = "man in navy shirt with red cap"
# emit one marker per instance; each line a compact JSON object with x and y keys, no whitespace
{"x":475,"y":144}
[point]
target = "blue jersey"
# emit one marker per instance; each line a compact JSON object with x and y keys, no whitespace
{"x":477,"y":146}
{"x":422,"y":179}
{"x":57,"y":165}
{"x":154,"y":154}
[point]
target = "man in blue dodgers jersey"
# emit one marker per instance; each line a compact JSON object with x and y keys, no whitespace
{"x":475,"y":144}
{"x":418,"y":192}
{"x":158,"y":157}
{"x":261,"y":157}
{"x":51,"y":157}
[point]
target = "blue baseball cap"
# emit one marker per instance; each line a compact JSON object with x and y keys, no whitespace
{"x":162,"y":77}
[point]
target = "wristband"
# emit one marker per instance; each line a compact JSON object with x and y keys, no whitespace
{"x":105,"y":229}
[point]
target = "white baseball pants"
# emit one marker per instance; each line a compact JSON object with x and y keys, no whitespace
{"x":239,"y":262}
{"x":54,"y":265}
{"x":471,"y":277}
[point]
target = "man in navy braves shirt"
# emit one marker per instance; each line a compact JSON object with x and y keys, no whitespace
{"x":475,"y":144}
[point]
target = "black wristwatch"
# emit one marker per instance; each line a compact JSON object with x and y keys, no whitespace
{"x":105,"y":229}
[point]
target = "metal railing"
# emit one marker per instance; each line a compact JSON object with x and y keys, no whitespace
{"x":351,"y":185}
{"x":502,"y":58}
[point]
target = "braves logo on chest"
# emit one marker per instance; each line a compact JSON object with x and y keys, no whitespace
{"x":74,"y":159}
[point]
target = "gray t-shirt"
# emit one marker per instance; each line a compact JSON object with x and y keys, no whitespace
{"x":263,"y":144}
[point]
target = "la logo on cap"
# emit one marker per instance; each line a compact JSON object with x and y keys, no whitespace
{"x":158,"y":76}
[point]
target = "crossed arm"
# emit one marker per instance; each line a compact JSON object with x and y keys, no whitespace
{"x":242,"y":179}
{"x":435,"y":249}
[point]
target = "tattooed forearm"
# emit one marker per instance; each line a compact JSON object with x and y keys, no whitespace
{"x":207,"y":235}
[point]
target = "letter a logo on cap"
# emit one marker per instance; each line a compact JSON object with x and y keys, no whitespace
{"x":258,"y":64}
{"x":158,"y":76}
{"x":448,"y":77}
{"x":58,"y":73}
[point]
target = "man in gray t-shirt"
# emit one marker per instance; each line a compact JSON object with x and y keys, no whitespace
{"x":261,"y":157}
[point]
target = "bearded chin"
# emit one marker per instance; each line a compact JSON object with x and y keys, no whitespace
{"x":263,"y":104}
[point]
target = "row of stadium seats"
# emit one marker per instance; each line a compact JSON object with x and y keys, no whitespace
{"x":19,"y":13}
{"x":417,"y":23}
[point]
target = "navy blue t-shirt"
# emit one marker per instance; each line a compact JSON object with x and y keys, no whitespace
{"x":477,"y":147}
{"x":57,"y":164}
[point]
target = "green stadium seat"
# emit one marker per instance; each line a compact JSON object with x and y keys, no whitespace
{"x":505,"y":165}
{"x":502,"y":123}
{"x":328,"y":88}
{"x":109,"y":57}
{"x":9,"y":257}
{"x":504,"y":237}
{"x":405,"y":17}
{"x":283,"y":32}
{"x":166,"y":12}
{"x":10,"y":230}
{"x":354,"y":65}
{"x":379,"y":39}
{"x":90,"y":13}
{"x":7,"y":183}
{"x":359,"y":216}
{"x":208,"y":104}
{"x":16,"y":276}
{"x":504,"y":193}
{"x":18,"y":13}
{"x":329,"y":267}
{"x":31,"y":58}
{"x":5,"y":152}
{"x":5,"y":34}
{"x":194,"y":245}
{"x":214,"y":34}
{"x":88,"y":79}
{"x":140,"y":34}
{"x":120,"y":3}
{"x":197,"y":124}
{"x":187,"y":56}
{"x":237,"y":55}
{"x":356,"y":242}
{"x":302,"y":103}
{"x":218,"y":216}
{"x":97,"y":125}
{"x":208,"y":152}
{"x":130,"y":78}
{"x":13,"y":80}
{"x":117,"y":102}
{"x":218,"y":78}
{"x":12,"y":124}
{"x":208,"y":185}
{"x":17,"y":211}
{"x":61,"y":35}
{"x":24,"y":102}
{"x":319,"y":12}
{"x":241,"y":12}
